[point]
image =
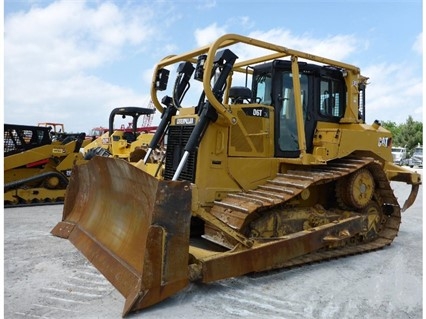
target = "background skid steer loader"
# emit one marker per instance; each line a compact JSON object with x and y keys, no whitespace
{"x":38,"y":163}
{"x":279,"y":171}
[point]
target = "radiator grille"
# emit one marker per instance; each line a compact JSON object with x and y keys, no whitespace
{"x":176,"y":141}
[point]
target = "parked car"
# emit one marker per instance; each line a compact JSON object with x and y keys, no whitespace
{"x":417,"y":158}
{"x":399,"y":155}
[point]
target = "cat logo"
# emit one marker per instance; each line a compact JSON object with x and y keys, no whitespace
{"x":59,"y":151}
{"x":185,"y":121}
{"x":384,"y":142}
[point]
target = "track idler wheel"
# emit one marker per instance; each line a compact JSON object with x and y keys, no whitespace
{"x":374,"y":215}
{"x":356,"y":190}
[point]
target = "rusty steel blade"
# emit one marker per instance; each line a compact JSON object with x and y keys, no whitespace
{"x":132,"y":227}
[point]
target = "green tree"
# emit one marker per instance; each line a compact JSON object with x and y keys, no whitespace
{"x":394,"y":129}
{"x":408,"y":134}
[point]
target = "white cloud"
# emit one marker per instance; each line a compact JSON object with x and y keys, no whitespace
{"x":79,"y":101}
{"x":418,"y":44}
{"x":394,"y":93}
{"x":206,"y":4}
{"x":337,"y":47}
{"x":71,"y":35}
{"x":50,"y":56}
{"x":208,"y":34}
{"x":245,"y":22}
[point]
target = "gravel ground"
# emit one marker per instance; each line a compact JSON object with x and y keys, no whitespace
{"x":46,"y":277}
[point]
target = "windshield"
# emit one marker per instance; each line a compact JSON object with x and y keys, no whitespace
{"x":418,"y":151}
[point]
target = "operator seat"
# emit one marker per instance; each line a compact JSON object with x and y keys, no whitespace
{"x":129,"y":137}
{"x":239,"y":94}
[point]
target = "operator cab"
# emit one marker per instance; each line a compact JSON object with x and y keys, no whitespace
{"x":323,"y":98}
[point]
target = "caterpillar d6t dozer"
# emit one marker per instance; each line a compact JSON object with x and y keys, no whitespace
{"x":38,"y":163}
{"x":273,"y":167}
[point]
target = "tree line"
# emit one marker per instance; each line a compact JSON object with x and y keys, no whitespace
{"x":408,"y":134}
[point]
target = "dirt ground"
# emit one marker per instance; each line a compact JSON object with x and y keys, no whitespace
{"x":46,"y":277}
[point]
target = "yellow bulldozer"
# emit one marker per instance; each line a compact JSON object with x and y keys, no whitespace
{"x":38,"y":163}
{"x":129,"y":143}
{"x":273,"y":167}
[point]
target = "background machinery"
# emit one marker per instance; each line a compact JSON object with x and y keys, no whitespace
{"x":38,"y":163}
{"x":129,"y":143}
{"x":274,"y":166}
{"x":416,"y":159}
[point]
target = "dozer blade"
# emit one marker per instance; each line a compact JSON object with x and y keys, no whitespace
{"x":132,"y":227}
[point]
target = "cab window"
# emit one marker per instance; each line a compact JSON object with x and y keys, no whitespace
{"x":331,"y":98}
{"x":288,"y":139}
{"x":263,"y":90}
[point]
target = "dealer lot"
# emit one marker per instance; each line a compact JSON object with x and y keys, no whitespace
{"x":47,"y":277}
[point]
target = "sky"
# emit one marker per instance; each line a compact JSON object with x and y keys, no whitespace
{"x":74,"y":61}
